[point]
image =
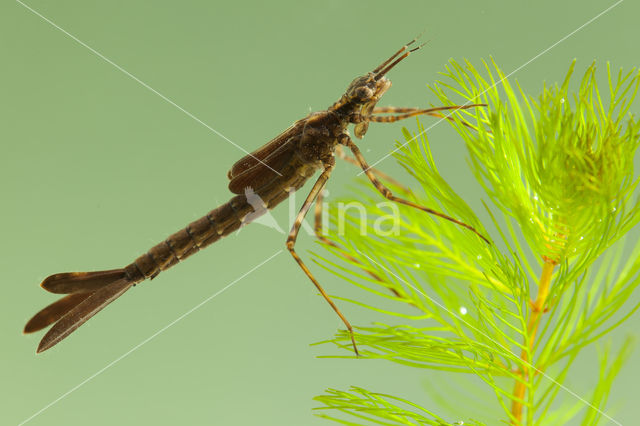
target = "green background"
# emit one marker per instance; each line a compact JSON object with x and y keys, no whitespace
{"x":95,"y":168}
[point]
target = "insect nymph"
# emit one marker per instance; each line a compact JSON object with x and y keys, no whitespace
{"x":273,"y":172}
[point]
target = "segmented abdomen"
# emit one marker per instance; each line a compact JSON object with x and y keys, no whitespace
{"x":216,"y":224}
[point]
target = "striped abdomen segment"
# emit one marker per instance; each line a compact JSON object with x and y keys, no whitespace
{"x":215,"y":225}
{"x":189,"y":240}
{"x":87,"y":293}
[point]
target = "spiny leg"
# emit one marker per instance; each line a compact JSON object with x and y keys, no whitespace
{"x":386,"y":192}
{"x":412,"y":112}
{"x":291,"y":242}
{"x":394,"y":110}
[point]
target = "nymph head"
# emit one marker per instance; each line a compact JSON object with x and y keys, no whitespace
{"x":365,"y":91}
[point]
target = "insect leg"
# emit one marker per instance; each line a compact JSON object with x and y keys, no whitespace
{"x":317,"y":228}
{"x":386,"y":192}
{"x":412,"y":112}
{"x":381,"y":175}
{"x":393,"y":110}
{"x":291,"y":241}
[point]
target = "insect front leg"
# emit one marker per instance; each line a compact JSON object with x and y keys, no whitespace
{"x":403,"y":113}
{"x":386,"y":192}
{"x":291,"y":242}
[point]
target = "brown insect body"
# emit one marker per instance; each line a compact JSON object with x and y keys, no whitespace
{"x":272,"y":172}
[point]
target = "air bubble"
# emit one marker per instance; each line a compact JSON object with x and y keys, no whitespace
{"x":463,"y":310}
{"x":479,"y":257}
{"x":417,"y":265}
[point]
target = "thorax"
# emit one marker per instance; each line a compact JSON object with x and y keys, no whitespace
{"x":320,"y":136}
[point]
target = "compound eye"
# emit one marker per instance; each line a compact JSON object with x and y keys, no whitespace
{"x":363,"y":92}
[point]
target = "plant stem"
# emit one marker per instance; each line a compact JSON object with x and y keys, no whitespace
{"x":537,"y":309}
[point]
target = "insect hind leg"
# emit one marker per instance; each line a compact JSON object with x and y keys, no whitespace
{"x":291,"y":241}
